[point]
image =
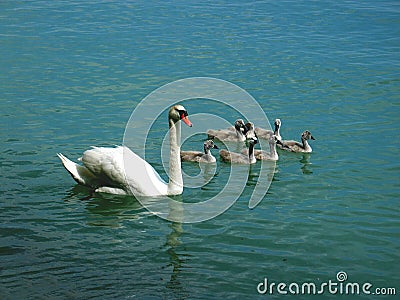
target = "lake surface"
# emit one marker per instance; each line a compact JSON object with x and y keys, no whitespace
{"x":72,"y":72}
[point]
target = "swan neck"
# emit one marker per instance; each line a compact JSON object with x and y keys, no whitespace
{"x":240,"y":135}
{"x":306,"y":146}
{"x":206,"y":151}
{"x":252,"y":158}
{"x":272,"y":149}
{"x":277,"y":133}
{"x":175,"y":184}
{"x":304,"y":142}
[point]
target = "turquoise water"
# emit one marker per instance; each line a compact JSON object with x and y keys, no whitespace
{"x":71,"y":73}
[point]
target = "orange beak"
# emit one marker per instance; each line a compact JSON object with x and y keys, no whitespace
{"x":186,"y":120}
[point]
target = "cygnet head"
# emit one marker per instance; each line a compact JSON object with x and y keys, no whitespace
{"x":250,"y":132}
{"x":239,"y":125}
{"x":277,"y":122}
{"x":249,"y":127}
{"x":178,"y":112}
{"x":209,"y":144}
{"x":306,"y":135}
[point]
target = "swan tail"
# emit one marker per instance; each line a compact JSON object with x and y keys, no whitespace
{"x":79,"y":173}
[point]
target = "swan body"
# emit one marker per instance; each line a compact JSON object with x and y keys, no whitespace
{"x":119,"y":170}
{"x":103,"y":170}
{"x":293,"y":146}
{"x":232,"y":134}
{"x":197,"y":156}
{"x":267,"y":134}
{"x":240,"y":158}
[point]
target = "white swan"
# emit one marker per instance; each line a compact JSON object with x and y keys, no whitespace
{"x":197,"y":156}
{"x":231,"y":134}
{"x":293,"y":146}
{"x":266,"y":134}
{"x":120,"y":171}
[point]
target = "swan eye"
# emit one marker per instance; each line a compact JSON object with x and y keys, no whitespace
{"x":183,"y":113}
{"x":184,"y":117}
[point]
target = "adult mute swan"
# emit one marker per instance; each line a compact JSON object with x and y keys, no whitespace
{"x":197,"y":156}
{"x":120,"y":171}
{"x":293,"y":146}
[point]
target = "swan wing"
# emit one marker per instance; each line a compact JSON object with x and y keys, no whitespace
{"x":121,"y":167}
{"x":106,"y":164}
{"x":233,"y":157}
{"x":290,"y":145}
{"x":221,"y":133}
{"x":263,"y":133}
{"x":213,"y":133}
{"x":191,"y":156}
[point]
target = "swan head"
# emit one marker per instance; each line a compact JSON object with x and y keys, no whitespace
{"x":277,"y":124}
{"x":249,"y":127}
{"x":250,"y":132}
{"x":209,"y":144}
{"x":277,"y":127}
{"x":251,"y":136}
{"x":239,"y":125}
{"x":306,"y":135}
{"x":178,"y":112}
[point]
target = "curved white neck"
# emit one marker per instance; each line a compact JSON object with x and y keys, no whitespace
{"x":175,"y":184}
